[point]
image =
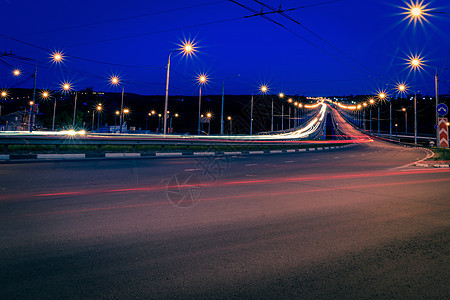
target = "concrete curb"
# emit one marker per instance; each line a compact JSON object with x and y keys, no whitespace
{"x":432,"y":165}
{"x":80,"y":156}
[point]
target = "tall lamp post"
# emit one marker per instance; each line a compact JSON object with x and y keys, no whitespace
{"x":417,"y":63}
{"x":281,"y":96}
{"x":202,"y":79}
{"x":187,"y":48}
{"x":99,"y":110}
{"x":381,"y":97}
{"x":231,"y":124}
{"x":290,"y":102}
{"x":223,"y":96}
{"x":209,"y":116}
{"x":263,"y":90}
{"x":406,"y":120}
{"x":371,"y":102}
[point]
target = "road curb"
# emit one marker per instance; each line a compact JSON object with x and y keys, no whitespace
{"x":127,"y":155}
{"x":432,"y":165}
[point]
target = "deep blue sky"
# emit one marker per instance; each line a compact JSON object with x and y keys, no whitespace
{"x":369,"y":45}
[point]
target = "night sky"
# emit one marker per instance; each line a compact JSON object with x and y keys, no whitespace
{"x":339,"y":48}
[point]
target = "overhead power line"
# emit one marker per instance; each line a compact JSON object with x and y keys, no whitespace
{"x":76,"y":57}
{"x":301,"y":37}
{"x":314,"y":34}
{"x":131,"y":17}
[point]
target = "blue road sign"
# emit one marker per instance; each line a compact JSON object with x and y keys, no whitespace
{"x":442,"y":109}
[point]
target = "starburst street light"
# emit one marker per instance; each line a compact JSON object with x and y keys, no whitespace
{"x":187,"y":48}
{"x":66,"y":87}
{"x":57,"y":57}
{"x":114,"y":80}
{"x":264,"y":89}
{"x":416,"y":11}
{"x":415,"y":62}
{"x":402,"y":88}
{"x":4,"y":94}
{"x":16,"y":72}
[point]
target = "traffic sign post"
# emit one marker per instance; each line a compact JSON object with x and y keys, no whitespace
{"x":443,"y":133}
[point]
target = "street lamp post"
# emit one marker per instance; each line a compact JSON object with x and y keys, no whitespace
{"x":281,"y":96}
{"x":223,"y":96}
{"x":415,"y":118}
{"x":99,"y":109}
{"x":290,"y":102}
{"x":381,"y":96}
{"x":202,"y":79}
{"x":231,"y":124}
{"x":171,"y":122}
{"x":406,"y":120}
{"x":251,"y":117}
{"x":187,"y":48}
{"x":31,"y":103}
{"x":416,"y":63}
{"x":208,"y":116}
{"x":371,"y":102}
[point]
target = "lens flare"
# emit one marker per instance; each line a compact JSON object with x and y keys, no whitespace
{"x":415,"y":62}
{"x":416,"y":11}
{"x":188,"y":47}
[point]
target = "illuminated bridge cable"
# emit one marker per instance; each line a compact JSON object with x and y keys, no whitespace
{"x":301,"y":37}
{"x":316,"y":35}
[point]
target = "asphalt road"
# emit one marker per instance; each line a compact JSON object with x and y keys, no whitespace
{"x":356,"y":223}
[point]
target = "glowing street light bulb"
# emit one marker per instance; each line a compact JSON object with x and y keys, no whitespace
{"x":208,"y":115}
{"x":117,"y":112}
{"x":16,"y":72}
{"x":126,"y":110}
{"x":187,"y":47}
{"x":281,"y":95}
{"x":382,"y":95}
{"x":371,"y":101}
{"x":290,"y":100}
{"x":45,"y":94}
{"x":415,"y":62}
{"x":99,"y":107}
{"x":4,"y":94}
{"x":66,"y":86}
{"x":114,"y":80}
{"x":202,"y":79}
{"x":264,"y":88}
{"x":229,"y":118}
{"x":401,"y":87}
{"x":153,"y":112}
{"x":403,"y":109}
{"x":57,"y":57}
{"x":416,"y":11}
